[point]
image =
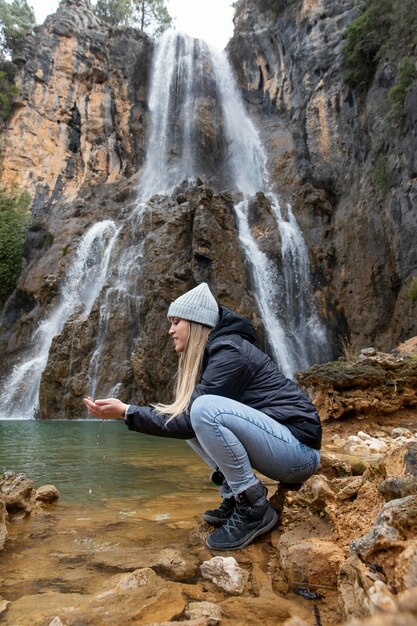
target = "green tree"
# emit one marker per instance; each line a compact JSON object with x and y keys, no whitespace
{"x":365,"y":37}
{"x":16,"y":20}
{"x":151,"y":16}
{"x":114,"y":12}
{"x":14,"y":217}
{"x":8,"y":89}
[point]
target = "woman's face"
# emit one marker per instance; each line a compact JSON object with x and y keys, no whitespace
{"x":179,"y":331}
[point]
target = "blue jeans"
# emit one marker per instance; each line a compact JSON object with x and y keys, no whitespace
{"x":238,"y":439}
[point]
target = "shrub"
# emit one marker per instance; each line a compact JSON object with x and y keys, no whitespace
{"x":8,"y":92}
{"x":364,"y":39}
{"x":407,"y":74}
{"x":380,"y":175}
{"x":14,"y":217}
{"x":412,"y":292}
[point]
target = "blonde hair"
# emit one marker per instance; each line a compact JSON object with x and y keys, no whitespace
{"x":189,"y":369}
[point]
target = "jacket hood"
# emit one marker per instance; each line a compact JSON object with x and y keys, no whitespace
{"x":231,"y":323}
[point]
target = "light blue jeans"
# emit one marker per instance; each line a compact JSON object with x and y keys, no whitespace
{"x":238,"y":439}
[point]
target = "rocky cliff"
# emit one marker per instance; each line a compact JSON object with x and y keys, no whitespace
{"x":77,"y":140}
{"x":325,"y":141}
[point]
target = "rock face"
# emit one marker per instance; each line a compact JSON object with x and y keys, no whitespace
{"x":76,"y":140}
{"x":379,"y":383}
{"x":80,"y":118}
{"x":185,"y":239}
{"x":323,"y":143}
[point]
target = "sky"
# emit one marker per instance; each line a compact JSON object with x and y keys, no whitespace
{"x":205,"y":19}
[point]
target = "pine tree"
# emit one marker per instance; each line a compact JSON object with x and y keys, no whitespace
{"x":16,"y":20}
{"x":114,"y":12}
{"x":14,"y":216}
{"x":151,"y":16}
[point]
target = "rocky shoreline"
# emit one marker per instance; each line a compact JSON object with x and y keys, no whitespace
{"x":345,"y":551}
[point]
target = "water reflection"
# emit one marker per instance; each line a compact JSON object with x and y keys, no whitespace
{"x":97,"y":460}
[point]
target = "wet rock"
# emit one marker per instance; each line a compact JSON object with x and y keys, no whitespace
{"x":168,"y":563}
{"x":17,"y":492}
{"x":172,"y":564}
{"x":225,"y":573}
{"x":138,"y":578}
{"x":47,"y":494}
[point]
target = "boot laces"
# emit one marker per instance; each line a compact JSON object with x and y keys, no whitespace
{"x":237,"y":519}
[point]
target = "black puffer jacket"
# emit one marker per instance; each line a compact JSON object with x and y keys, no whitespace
{"x":234,"y":368}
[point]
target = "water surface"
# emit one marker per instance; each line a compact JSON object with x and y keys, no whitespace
{"x":93,"y":460}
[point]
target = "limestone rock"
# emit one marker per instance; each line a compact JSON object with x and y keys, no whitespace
{"x":47,"y":494}
{"x":383,"y":384}
{"x":397,"y":520}
{"x":56,"y":622}
{"x":225,"y":573}
{"x":289,"y":61}
{"x":81,"y":104}
{"x":311,"y":562}
{"x":4,"y":605}
{"x":3,"y":527}
{"x":17,"y":492}
{"x":208,"y":610}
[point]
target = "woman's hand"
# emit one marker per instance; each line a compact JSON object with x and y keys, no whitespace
{"x":109,"y":408}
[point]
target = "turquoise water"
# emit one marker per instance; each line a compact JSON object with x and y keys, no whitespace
{"x":89,"y":461}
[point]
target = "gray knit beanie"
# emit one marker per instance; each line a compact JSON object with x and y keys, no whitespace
{"x":196,"y":305}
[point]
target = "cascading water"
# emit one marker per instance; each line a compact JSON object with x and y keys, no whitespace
{"x":199,"y":127}
{"x":87,"y":274}
{"x":296,"y":335}
{"x":120,"y":301}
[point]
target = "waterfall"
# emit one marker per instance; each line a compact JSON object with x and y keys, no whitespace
{"x":170,"y":157}
{"x":85,"y":279}
{"x":295,"y":334}
{"x":120,"y":302}
{"x":199,"y":127}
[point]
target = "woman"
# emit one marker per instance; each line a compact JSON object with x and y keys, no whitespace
{"x":235,"y":409}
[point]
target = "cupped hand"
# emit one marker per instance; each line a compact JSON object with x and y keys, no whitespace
{"x":108,"y":408}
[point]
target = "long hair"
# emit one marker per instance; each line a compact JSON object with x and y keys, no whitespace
{"x":189,"y":369}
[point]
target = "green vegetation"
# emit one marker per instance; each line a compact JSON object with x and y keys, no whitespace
{"x":14,"y":217}
{"x":8,"y":90}
{"x":384,"y":29}
{"x":114,"y":12}
{"x":151,"y":16}
{"x":364,"y":39}
{"x":381,"y":176}
{"x":407,"y":75}
{"x":412,"y":292}
{"x":17,"y":18}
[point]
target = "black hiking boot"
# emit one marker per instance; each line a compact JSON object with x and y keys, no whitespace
{"x":252,"y":516}
{"x":221,"y":515}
